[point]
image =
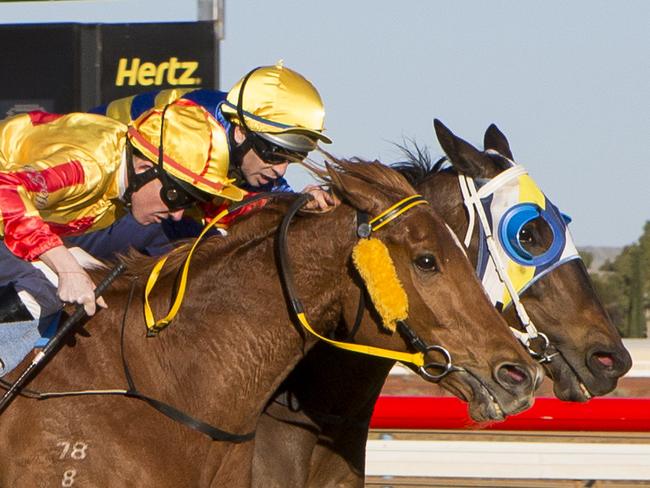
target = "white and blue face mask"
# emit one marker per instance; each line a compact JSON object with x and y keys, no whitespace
{"x":513,"y":209}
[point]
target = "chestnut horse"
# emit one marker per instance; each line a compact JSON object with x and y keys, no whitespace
{"x":320,"y":420}
{"x":234,"y":341}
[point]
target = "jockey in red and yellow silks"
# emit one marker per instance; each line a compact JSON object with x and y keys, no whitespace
{"x":59,"y":175}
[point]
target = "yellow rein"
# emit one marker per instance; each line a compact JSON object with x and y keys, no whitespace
{"x":416,"y":358}
{"x":154,"y":326}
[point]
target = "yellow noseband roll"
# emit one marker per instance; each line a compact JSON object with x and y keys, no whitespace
{"x":373,"y":261}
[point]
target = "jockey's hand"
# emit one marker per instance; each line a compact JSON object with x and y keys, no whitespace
{"x":78,"y":287}
{"x":75,"y":286}
{"x":323,"y":200}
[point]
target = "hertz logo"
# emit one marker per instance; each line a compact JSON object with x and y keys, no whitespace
{"x":172,"y":72}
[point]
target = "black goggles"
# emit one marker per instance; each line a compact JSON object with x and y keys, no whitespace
{"x":177,"y":194}
{"x":272,"y":153}
{"x":172,"y":192}
{"x":175,"y":197}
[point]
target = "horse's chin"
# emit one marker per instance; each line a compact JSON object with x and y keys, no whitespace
{"x":484,"y":406}
{"x":576,"y":383}
{"x":567,"y":385}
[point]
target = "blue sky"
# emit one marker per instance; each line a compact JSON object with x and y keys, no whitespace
{"x":567,"y":82}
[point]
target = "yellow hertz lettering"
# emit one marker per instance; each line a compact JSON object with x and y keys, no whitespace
{"x":173,"y":72}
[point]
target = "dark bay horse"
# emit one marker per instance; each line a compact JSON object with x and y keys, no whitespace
{"x":234,"y":341}
{"x":322,"y":423}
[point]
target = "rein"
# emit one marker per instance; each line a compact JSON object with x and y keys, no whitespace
{"x":155,"y":326}
{"x":364,"y":230}
{"x":173,"y":413}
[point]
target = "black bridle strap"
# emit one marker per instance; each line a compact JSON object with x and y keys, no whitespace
{"x":412,"y":337}
{"x":283,"y":255}
{"x":297,"y":307}
{"x":173,"y":413}
{"x":361,"y":307}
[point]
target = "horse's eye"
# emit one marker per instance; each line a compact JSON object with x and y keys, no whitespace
{"x":526,"y":236}
{"x":426,"y":262}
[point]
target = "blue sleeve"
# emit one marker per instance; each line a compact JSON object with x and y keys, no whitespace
{"x":282,"y":185}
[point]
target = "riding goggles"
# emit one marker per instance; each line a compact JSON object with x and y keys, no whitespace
{"x":175,"y":194}
{"x":273,"y":153}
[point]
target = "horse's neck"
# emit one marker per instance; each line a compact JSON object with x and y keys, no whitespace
{"x":235,"y":337}
{"x":319,"y":251}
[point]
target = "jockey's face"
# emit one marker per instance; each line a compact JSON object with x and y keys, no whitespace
{"x":255,"y":170}
{"x":146,"y":204}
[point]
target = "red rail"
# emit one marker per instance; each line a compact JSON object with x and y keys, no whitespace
{"x":599,"y":414}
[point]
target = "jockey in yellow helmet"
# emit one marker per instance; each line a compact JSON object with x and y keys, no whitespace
{"x":271,"y":117}
{"x":65,"y":177}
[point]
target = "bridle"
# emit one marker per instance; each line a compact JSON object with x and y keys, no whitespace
{"x":431,"y":370}
{"x":472,"y":199}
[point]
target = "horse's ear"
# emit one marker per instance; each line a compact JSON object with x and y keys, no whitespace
{"x":496,"y":140}
{"x":464,"y":157}
{"x":356,"y":191}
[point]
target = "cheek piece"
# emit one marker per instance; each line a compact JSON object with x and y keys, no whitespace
{"x":373,"y":262}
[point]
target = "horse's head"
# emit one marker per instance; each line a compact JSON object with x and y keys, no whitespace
{"x":537,"y":254}
{"x":425,"y":295}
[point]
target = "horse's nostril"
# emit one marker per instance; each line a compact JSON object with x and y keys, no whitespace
{"x":512,"y":375}
{"x":605,"y":359}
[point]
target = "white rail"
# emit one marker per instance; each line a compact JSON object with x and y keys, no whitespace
{"x":531,"y":460}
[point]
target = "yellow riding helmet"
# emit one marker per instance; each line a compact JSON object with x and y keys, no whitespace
{"x":195,"y":146}
{"x":281,"y":105}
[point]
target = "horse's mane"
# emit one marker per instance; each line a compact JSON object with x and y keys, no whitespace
{"x":382,"y":177}
{"x":418,"y":165}
{"x":251,"y":228}
{"x":262,"y":223}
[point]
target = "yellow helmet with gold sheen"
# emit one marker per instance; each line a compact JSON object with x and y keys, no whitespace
{"x":279,"y":104}
{"x":193,"y":144}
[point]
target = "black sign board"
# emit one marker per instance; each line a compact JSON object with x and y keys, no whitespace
{"x":140,"y":57}
{"x":70,"y":67}
{"x":39,"y":68}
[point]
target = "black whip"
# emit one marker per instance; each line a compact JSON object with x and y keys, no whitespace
{"x":48,"y":351}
